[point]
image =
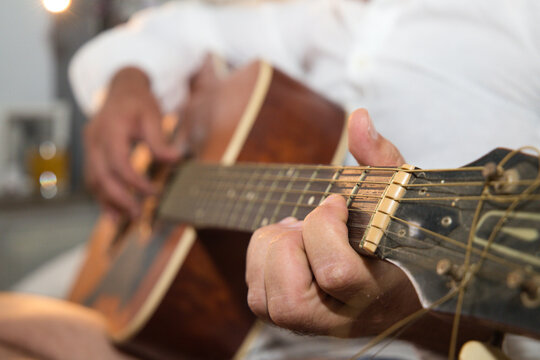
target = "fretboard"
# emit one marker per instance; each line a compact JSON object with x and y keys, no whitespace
{"x":245,"y":197}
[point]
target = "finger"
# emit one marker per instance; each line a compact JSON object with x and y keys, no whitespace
{"x":288,"y":281}
{"x":294,"y":299}
{"x":256,"y":258}
{"x":367,"y":145}
{"x":153,"y":135}
{"x":120,"y":163}
{"x":338,"y":269}
{"x":109,"y":189}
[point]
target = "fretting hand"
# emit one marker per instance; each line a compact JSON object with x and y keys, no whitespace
{"x":306,"y":277}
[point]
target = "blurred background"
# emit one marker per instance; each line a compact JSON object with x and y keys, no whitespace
{"x":44,"y":209}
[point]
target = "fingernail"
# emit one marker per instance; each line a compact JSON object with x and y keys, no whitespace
{"x":371,"y":129}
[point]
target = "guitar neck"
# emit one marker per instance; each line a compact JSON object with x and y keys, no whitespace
{"x":247,"y":196}
{"x":441,"y":226}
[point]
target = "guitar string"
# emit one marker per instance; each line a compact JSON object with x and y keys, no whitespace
{"x":365,"y":212}
{"x":258,"y":165}
{"x":511,"y":208}
{"x":454,"y":242}
{"x":454,"y":197}
{"x":493,"y":257}
{"x":368,"y":182}
{"x":403,"y":322}
{"x":461,"y":293}
{"x":469,"y":251}
{"x":271,"y":177}
{"x":474,"y":269}
{"x":500,"y":198}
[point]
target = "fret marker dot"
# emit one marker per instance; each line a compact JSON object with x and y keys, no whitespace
{"x":264,"y":222}
{"x":250,"y":195}
{"x":311,"y":200}
{"x":231,"y":193}
{"x":290,"y":172}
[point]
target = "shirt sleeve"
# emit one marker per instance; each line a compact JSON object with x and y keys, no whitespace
{"x":170,"y":42}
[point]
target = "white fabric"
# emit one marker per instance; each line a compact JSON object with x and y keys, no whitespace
{"x":55,"y":277}
{"x":445,"y":80}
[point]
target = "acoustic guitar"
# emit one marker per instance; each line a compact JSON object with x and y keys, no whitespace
{"x":167,"y":291}
{"x":468,"y":238}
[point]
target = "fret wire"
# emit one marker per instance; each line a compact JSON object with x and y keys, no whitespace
{"x":230,"y":193}
{"x":356,"y":187}
{"x":234,"y":214}
{"x":262,"y":208}
{"x":329,"y":187}
{"x":228,"y":205}
{"x":245,"y":212}
{"x":306,"y":187}
{"x":285,"y":203}
{"x":283,"y":196}
{"x":210,"y":209}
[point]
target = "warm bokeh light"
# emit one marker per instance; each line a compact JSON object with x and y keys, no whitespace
{"x":47,"y":150}
{"x":56,"y":6}
{"x":48,"y":182}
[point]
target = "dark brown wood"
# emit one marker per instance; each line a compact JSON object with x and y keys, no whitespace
{"x":204,"y":313}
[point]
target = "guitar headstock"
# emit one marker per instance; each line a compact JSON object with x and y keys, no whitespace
{"x":476,"y":227}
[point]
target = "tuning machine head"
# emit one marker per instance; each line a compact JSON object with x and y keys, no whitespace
{"x":528,"y":285}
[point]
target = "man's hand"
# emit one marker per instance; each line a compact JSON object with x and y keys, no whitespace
{"x":306,"y":277}
{"x":130,"y":113}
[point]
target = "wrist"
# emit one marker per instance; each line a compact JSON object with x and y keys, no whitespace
{"x":129,"y":79}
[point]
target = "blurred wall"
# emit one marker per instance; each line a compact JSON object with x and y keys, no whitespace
{"x":26,"y":59}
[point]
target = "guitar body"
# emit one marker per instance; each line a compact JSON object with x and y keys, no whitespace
{"x":168,"y":291}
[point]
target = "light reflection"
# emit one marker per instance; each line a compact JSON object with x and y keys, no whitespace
{"x":47,"y":150}
{"x":47,"y":179}
{"x":49,"y":192}
{"x":48,"y":182}
{"x":56,"y":6}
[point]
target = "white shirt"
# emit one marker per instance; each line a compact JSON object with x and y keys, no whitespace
{"x":444,"y":80}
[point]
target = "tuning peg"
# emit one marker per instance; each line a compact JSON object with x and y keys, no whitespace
{"x":505,"y":181}
{"x":529,"y":286}
{"x":446,"y":267}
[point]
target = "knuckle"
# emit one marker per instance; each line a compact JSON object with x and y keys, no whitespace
{"x":258,"y":234}
{"x":336,"y":277}
{"x":257,"y":302}
{"x":288,"y":312}
{"x":285,"y":236}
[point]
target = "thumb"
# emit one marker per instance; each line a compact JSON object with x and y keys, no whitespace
{"x":153,"y":135}
{"x":367,"y":145}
